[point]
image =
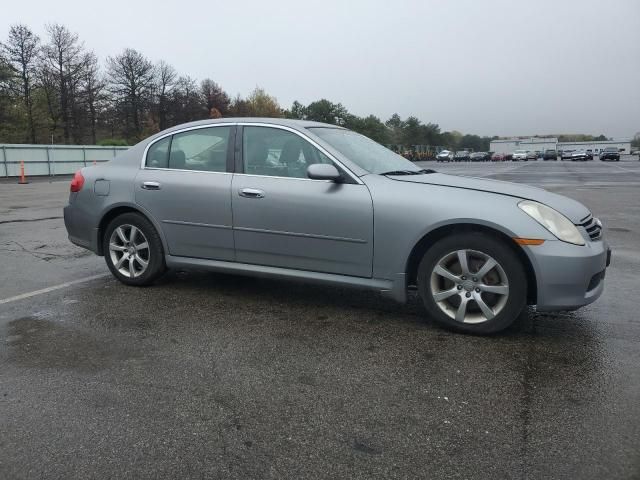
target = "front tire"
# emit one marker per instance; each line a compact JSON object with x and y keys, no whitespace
{"x":472,"y":283}
{"x":133,"y":250}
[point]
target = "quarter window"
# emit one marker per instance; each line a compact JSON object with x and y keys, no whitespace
{"x":278,"y":153}
{"x":158,"y":154}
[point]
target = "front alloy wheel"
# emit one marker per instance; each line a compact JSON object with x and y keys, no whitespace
{"x":473,"y":282}
{"x":469,"y":286}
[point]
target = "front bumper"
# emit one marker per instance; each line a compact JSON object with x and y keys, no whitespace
{"x":569,"y":276}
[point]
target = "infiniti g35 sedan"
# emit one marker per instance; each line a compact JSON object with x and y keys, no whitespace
{"x":314,"y":202}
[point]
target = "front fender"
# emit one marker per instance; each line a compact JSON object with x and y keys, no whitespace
{"x":406,"y":212}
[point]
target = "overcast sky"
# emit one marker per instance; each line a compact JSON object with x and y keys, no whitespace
{"x":486,"y":67}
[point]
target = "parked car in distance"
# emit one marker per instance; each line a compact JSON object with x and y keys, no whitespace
{"x":579,"y":155}
{"x":519,"y":155}
{"x":479,"y":157}
{"x":444,"y":156}
{"x":550,"y":154}
{"x":610,"y":153}
{"x":531,"y":155}
{"x":498,"y":157}
{"x":566,"y":154}
{"x":332,"y":206}
{"x":462,"y":156}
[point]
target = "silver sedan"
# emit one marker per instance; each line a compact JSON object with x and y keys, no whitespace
{"x":314,"y":202}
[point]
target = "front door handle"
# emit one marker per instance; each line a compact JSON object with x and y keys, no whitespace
{"x":251,"y":193}
{"x":151,"y":185}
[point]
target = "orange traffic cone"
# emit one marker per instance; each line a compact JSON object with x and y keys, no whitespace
{"x":22,"y":180}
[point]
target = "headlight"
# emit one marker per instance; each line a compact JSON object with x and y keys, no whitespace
{"x":553,"y":221}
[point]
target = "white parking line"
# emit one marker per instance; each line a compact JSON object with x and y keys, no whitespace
{"x":22,"y":296}
{"x":627,"y":169}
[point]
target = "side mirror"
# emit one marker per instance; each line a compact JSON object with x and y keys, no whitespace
{"x":323,"y":171}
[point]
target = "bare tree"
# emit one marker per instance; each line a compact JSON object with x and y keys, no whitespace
{"x":65,"y":60}
{"x":166,"y":77}
{"x":240,"y":107}
{"x":47,"y":82}
{"x":187,"y":104}
{"x":131,"y":82}
{"x":214,"y":97}
{"x":93,"y":92}
{"x":21,"y":51}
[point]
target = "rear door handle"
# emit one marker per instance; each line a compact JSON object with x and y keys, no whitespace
{"x":251,"y":193}
{"x":151,"y":185}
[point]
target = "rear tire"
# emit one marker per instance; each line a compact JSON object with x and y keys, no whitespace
{"x":493,"y":295}
{"x":133,"y":250}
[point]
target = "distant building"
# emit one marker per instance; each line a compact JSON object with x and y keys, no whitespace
{"x":509,"y":145}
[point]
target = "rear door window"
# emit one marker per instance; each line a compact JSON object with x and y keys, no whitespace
{"x":203,"y":149}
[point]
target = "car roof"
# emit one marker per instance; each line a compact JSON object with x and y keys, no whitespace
{"x":274,"y":121}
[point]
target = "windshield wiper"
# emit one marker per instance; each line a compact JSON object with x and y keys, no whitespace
{"x":408,"y":172}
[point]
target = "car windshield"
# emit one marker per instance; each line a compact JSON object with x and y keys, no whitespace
{"x":364,"y":152}
{"x":610,"y":149}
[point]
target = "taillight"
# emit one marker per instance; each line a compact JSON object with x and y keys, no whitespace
{"x":77,"y":182}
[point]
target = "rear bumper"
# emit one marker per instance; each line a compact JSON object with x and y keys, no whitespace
{"x":569,"y":276}
{"x":80,"y":229}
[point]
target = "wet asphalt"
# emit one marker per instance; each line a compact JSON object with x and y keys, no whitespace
{"x":216,"y":376}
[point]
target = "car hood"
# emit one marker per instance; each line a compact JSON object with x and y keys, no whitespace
{"x":574,"y":211}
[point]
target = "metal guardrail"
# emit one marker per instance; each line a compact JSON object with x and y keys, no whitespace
{"x":52,"y":160}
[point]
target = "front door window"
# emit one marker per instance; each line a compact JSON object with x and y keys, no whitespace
{"x":278,"y":153}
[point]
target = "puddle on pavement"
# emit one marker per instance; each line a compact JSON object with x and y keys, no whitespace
{"x":37,"y":342}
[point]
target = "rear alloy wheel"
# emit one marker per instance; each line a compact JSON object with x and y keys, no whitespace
{"x":473,"y":283}
{"x":129,"y":251}
{"x":133,"y":250}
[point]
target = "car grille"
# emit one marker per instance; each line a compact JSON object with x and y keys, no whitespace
{"x":593,"y":227}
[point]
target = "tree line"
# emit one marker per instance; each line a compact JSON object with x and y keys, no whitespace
{"x":56,"y":90}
